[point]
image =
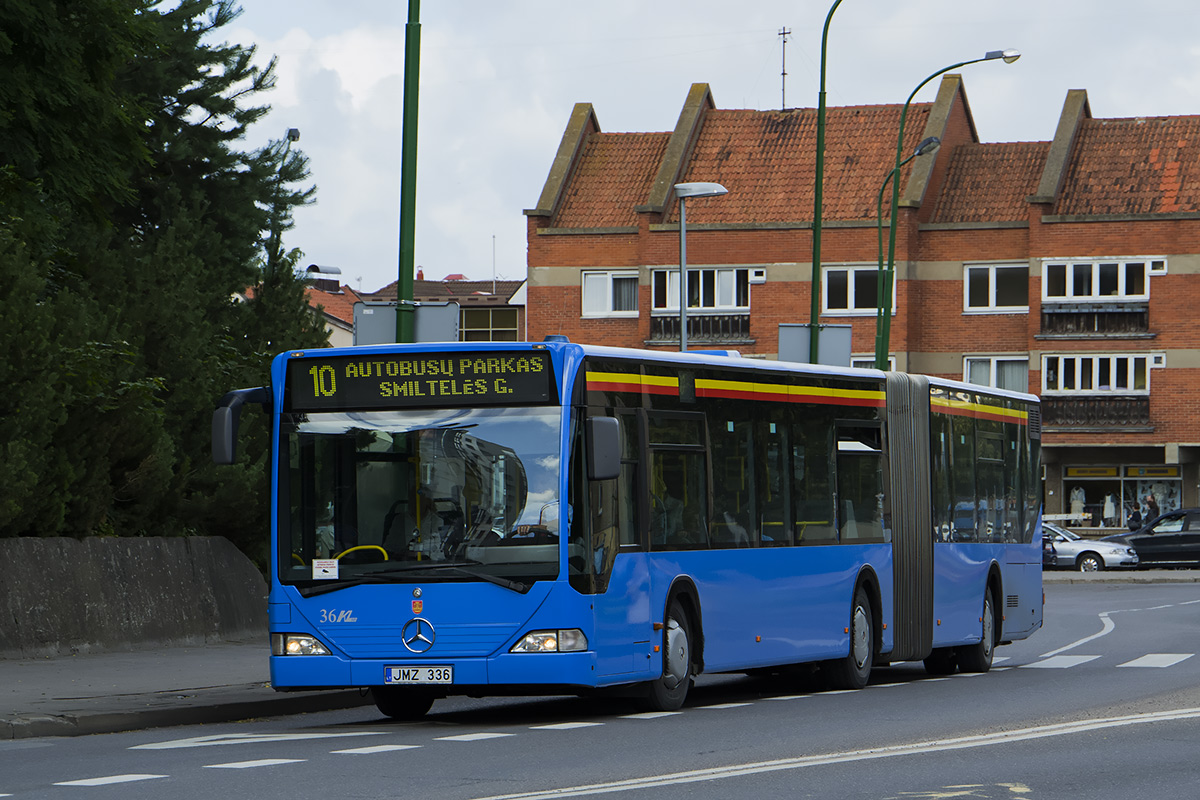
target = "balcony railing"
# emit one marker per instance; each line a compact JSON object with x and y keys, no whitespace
{"x":702,"y":329}
{"x":1095,"y":412}
{"x":1069,"y":320}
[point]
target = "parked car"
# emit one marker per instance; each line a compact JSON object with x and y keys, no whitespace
{"x":1088,"y":555}
{"x":1170,"y":539}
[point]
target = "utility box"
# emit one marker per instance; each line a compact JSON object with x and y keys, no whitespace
{"x":375,"y":322}
{"x":833,"y":344}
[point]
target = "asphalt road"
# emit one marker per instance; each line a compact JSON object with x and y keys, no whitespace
{"x":1104,"y":702}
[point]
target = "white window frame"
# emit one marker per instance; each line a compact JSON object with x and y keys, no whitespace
{"x":992,"y":307}
{"x":1151,"y":265}
{"x":993,"y":371}
{"x":851,"y":311}
{"x":603,"y":281}
{"x":1085,"y":370}
{"x":719,"y":275}
{"x":868,"y":362}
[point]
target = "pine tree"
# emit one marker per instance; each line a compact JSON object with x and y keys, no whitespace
{"x":130,"y":221}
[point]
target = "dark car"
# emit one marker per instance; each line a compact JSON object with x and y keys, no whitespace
{"x":1168,"y":540}
{"x":1049,"y":554}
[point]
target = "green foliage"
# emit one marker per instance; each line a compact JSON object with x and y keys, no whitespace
{"x":130,"y":221}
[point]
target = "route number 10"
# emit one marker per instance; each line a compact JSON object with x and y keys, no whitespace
{"x":324,"y":381}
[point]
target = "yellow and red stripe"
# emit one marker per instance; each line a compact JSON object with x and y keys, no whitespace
{"x":966,"y":408}
{"x":627,"y":382}
{"x":784,"y":393}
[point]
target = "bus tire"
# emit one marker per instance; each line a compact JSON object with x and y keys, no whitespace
{"x":668,"y":692}
{"x":402,"y":703}
{"x":854,"y":670}
{"x":978,"y":657}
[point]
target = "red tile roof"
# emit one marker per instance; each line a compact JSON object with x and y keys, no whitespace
{"x":450,"y":290}
{"x":1133,"y":166}
{"x":339,"y":305}
{"x":766,"y":159}
{"x":990,"y":182}
{"x":613,"y":176}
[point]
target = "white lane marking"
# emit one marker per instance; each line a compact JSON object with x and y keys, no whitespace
{"x":111,"y":779}
{"x":1157,"y":660}
{"x":472,"y":737}
{"x":726,"y":705}
{"x":261,"y":762}
{"x":1000,"y":659}
{"x":652,"y":715}
{"x":247,"y":738}
{"x":789,"y":697}
{"x":379,"y":748}
{"x":565,"y":726}
{"x":1107,"y":626}
{"x":916,"y":748}
{"x":1060,"y":662}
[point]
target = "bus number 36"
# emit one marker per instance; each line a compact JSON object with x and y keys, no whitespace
{"x":324,"y":381}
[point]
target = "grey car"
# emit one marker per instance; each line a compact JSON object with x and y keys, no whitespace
{"x":1087,"y":555}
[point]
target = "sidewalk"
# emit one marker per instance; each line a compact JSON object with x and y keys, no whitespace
{"x":110,"y":692}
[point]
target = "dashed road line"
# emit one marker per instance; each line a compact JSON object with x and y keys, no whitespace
{"x":261,"y":762}
{"x":379,"y":748}
{"x":1059,"y":662}
{"x":106,"y":781}
{"x":1157,"y":660}
{"x":473,"y":737}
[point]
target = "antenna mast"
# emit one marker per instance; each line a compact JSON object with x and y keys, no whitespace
{"x":783,"y":34}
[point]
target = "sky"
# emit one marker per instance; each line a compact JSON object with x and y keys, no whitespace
{"x":499,"y":78}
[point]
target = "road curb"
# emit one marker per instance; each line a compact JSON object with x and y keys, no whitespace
{"x":165,"y":709}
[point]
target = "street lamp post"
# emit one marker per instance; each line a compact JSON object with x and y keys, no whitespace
{"x":273,"y":254}
{"x":885,"y":300}
{"x":684,"y":191}
{"x":818,"y":184}
{"x":927,"y":145}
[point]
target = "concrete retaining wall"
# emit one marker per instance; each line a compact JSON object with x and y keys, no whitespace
{"x":61,"y":596}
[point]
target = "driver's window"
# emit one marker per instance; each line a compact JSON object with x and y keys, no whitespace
{"x":1170,"y":525}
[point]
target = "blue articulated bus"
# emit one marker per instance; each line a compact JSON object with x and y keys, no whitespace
{"x":556,"y":518}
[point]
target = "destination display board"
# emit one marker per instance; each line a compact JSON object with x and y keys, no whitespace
{"x":402,"y":380}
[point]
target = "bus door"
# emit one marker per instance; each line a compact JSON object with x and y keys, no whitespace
{"x":615,"y":559}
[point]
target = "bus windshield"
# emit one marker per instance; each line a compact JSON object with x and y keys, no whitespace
{"x":463,"y":494}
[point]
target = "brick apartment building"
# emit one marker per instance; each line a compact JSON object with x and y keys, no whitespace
{"x":1063,"y":267}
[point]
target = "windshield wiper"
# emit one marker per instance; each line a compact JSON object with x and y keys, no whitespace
{"x":464,"y":567}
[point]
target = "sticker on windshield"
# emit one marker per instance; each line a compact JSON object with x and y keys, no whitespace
{"x":325,"y":569}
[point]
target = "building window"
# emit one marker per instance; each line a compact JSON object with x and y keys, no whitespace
{"x":1098,"y":281}
{"x":610,"y":294}
{"x":1002,"y":372}
{"x":1096,"y":374}
{"x":488,"y":325}
{"x":713,"y":288}
{"x":853,"y":290}
{"x":868,"y":362}
{"x":997,"y":288}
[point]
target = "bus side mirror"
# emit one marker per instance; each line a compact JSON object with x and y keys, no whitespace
{"x":225,"y":421}
{"x":604,"y":448}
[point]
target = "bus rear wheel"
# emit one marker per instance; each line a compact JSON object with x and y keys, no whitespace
{"x":853,"y":671}
{"x":668,"y":692}
{"x":402,"y":704}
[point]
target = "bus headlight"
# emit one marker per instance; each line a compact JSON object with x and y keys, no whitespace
{"x":570,"y":640}
{"x":297,"y":644}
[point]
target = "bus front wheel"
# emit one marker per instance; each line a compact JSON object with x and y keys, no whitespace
{"x":668,"y":692}
{"x":853,"y":671}
{"x":402,"y":704}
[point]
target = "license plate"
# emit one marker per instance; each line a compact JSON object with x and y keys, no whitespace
{"x":418,"y":674}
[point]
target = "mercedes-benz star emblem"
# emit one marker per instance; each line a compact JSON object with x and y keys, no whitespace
{"x":417,"y":635}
